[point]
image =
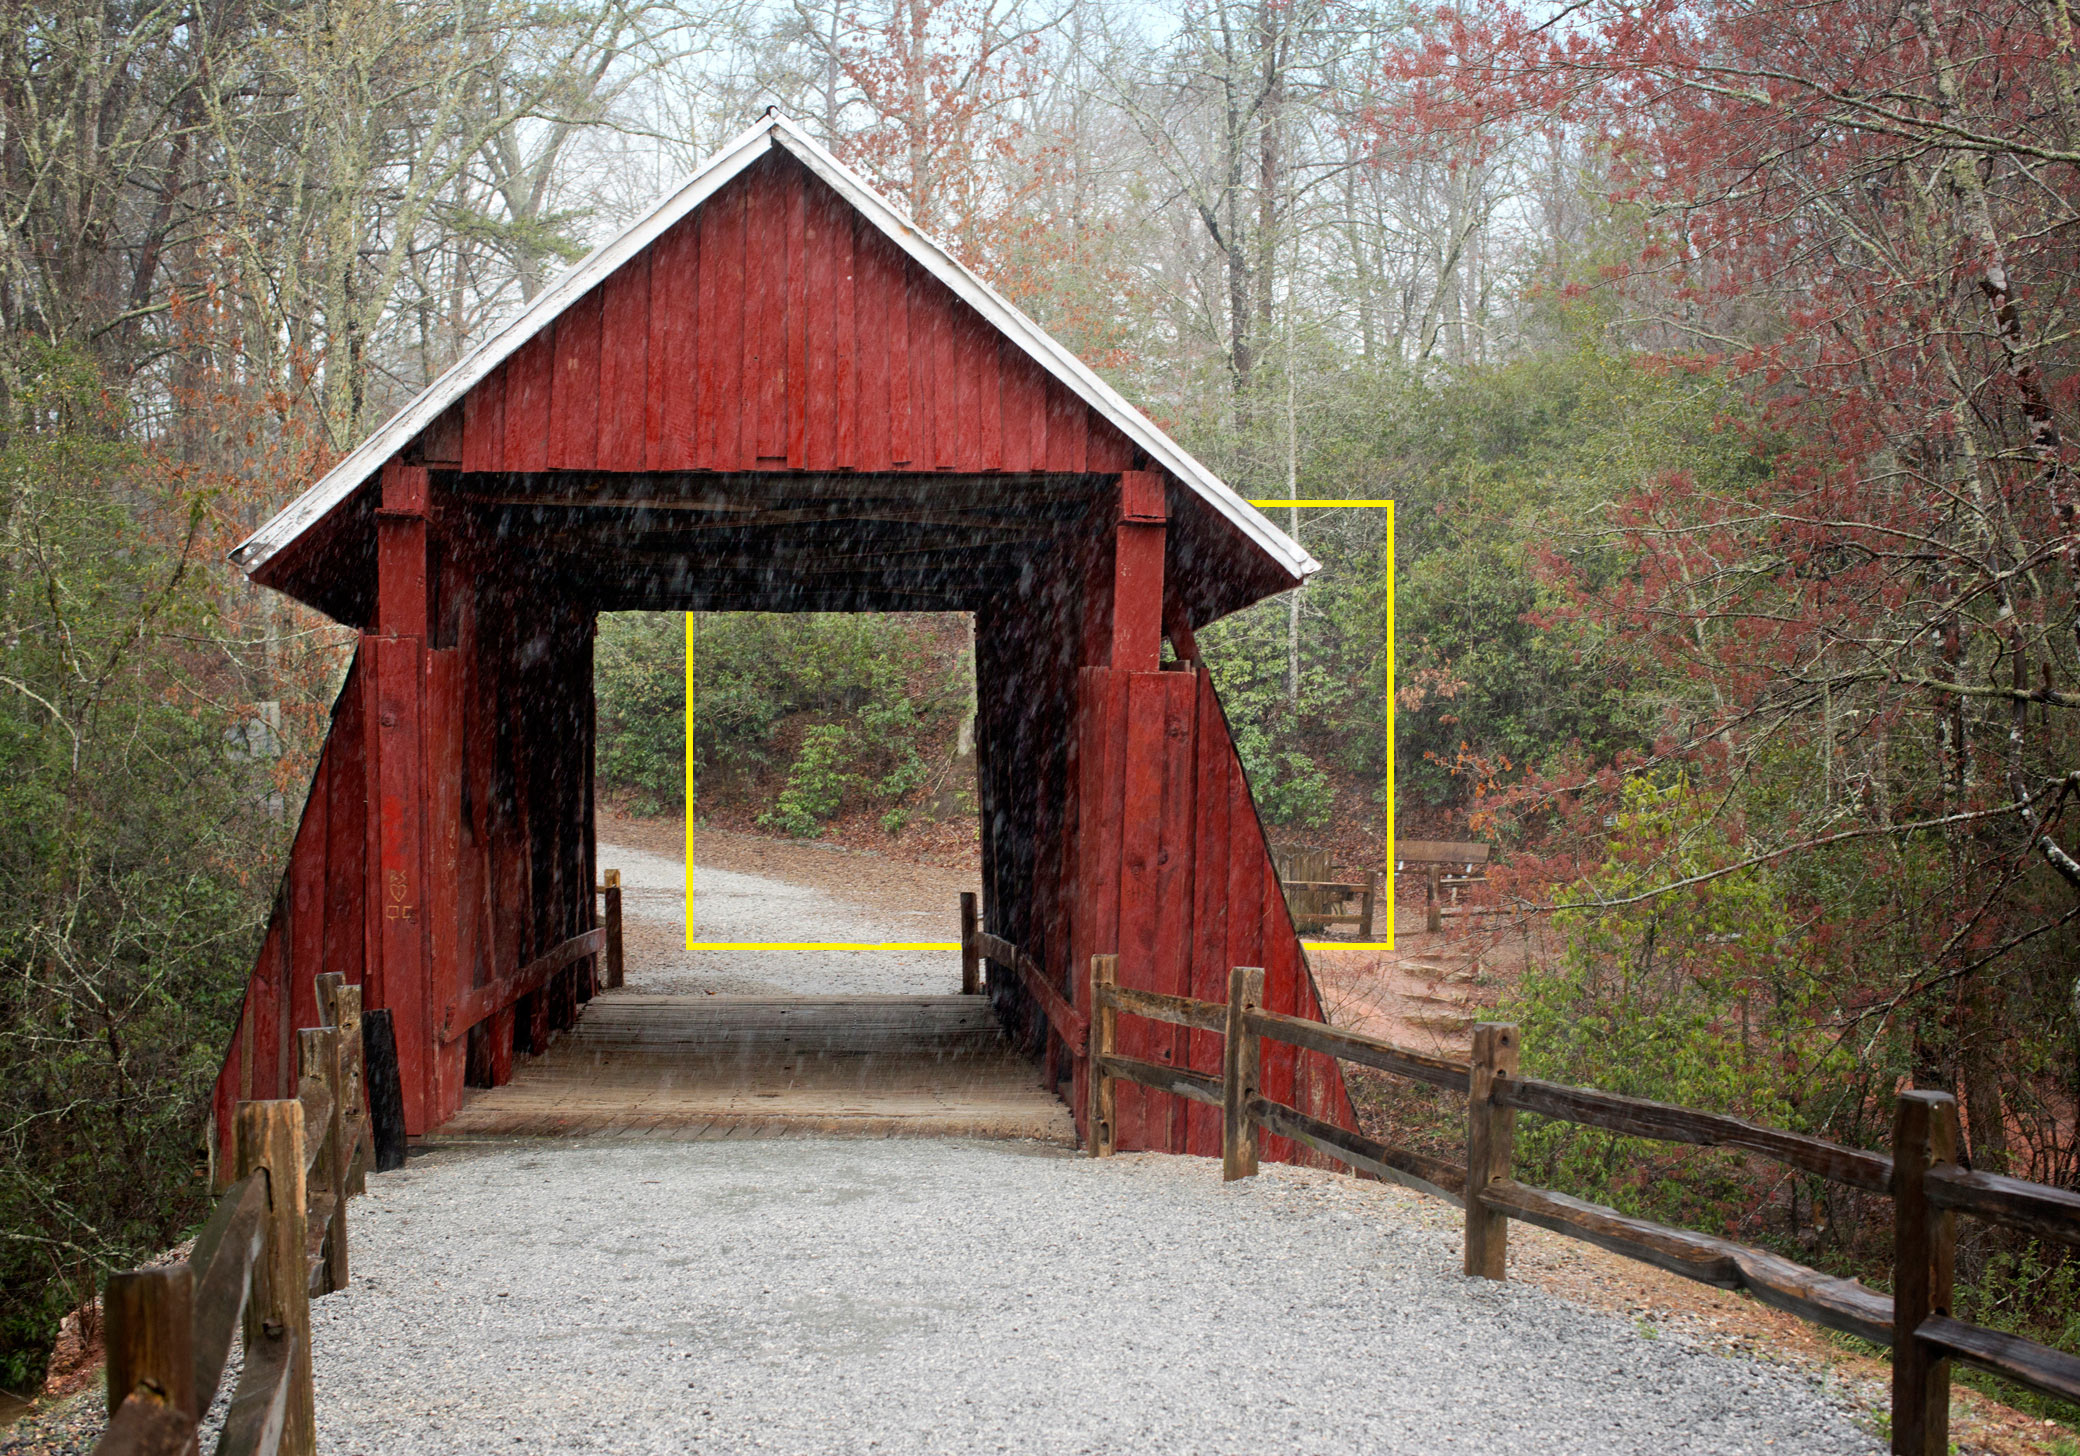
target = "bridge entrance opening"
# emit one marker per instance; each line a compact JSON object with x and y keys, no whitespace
{"x":819,"y":988}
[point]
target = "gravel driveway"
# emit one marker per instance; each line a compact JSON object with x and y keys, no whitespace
{"x":737,"y":907}
{"x":864,"y":1296}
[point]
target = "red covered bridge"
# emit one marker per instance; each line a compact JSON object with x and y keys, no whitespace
{"x":772,"y":394}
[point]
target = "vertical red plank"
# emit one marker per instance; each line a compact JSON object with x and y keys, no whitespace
{"x":346,"y":827}
{"x":1143,"y":1115}
{"x":624,"y":366}
{"x":1176,"y":874}
{"x":1020,"y":377}
{"x":307,"y":905}
{"x":872,"y":276}
{"x":844,"y":267}
{"x":945,"y":378}
{"x":1067,"y":432}
{"x":263,"y":998}
{"x":1108,"y":450}
{"x":1209,"y":972}
{"x":484,"y":423}
{"x":925,"y":401}
{"x":970,"y":377}
{"x":720,"y":352}
{"x":401,"y":809}
{"x":902,"y":422}
{"x":775,"y":246}
{"x":812,"y":355}
{"x":447,"y":976}
{"x":528,"y":389}
{"x":574,"y":387}
{"x":670,"y":320}
{"x":1281,"y":972}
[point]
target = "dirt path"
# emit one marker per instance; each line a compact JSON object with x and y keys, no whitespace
{"x":763,"y":890}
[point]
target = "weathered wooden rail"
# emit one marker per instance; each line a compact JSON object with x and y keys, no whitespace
{"x":1923,"y":1177}
{"x":277,"y":1239}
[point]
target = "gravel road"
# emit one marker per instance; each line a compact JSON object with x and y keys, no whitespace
{"x":738,"y":907}
{"x":865,"y":1296}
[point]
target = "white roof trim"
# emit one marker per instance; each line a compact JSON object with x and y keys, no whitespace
{"x":774,"y":130}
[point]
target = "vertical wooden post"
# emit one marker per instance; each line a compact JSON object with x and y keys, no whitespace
{"x":1433,"y":899}
{"x":318,"y":1047}
{"x":343,"y":1003}
{"x":1490,"y":1140}
{"x":1239,"y":1061}
{"x":270,"y":1138}
{"x":617,"y":962}
{"x":971,"y":953}
{"x":149,"y":1325}
{"x":1924,"y":1135}
{"x":1365,"y":905}
{"x":1104,"y":1043}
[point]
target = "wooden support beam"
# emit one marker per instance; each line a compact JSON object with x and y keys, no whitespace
{"x":971,"y":952}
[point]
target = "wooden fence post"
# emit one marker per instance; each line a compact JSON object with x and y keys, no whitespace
{"x":1365,"y":906}
{"x":319,"y":1049}
{"x":971,"y":952}
{"x":149,"y":1326}
{"x":1490,"y":1141}
{"x":353,"y":1081}
{"x":270,"y":1138}
{"x":1239,"y":1061}
{"x":1924,"y":1135}
{"x":1433,"y":899}
{"x":1104,"y":1043}
{"x":617,"y":964}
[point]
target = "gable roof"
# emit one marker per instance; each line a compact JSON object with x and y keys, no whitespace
{"x":774,"y":131}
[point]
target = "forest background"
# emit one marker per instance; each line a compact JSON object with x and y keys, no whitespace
{"x":1719,"y":359}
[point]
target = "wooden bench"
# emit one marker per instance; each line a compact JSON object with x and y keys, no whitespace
{"x":1313,"y":891}
{"x":1447,"y":865}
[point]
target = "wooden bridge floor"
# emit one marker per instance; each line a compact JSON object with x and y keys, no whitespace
{"x":697,"y":1067}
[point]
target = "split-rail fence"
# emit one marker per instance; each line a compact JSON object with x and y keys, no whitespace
{"x":1923,"y":1177}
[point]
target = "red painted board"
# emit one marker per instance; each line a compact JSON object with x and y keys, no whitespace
{"x":1068,"y":432}
{"x":484,"y":423}
{"x":1144,"y":1120}
{"x":844,"y":324}
{"x":902,"y":422}
{"x":974,"y":370}
{"x":1175,"y":877}
{"x":624,"y":368}
{"x":574,"y":403}
{"x":264,"y":1017}
{"x":528,"y":388}
{"x":306,"y":906}
{"x":773,"y":244}
{"x":401,"y":809}
{"x":1209,"y":971}
{"x":447,"y":975}
{"x":720,"y":358}
{"x":875,"y":276}
{"x":672,"y":312}
{"x":1108,"y":449}
{"x":1281,"y":972}
{"x":812,"y":356}
{"x":948,"y":407}
{"x":1137,"y":597}
{"x":803,"y":313}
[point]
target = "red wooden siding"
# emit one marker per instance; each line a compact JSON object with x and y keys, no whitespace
{"x":776,"y":329}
